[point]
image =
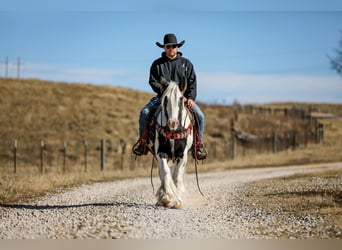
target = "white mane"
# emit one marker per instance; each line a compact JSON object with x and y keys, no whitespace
{"x":171,"y":88}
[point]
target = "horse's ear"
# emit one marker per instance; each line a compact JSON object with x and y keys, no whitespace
{"x":183,"y":86}
{"x":163,"y":81}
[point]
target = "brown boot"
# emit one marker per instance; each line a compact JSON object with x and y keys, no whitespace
{"x":199,"y":152}
{"x":140,"y":147}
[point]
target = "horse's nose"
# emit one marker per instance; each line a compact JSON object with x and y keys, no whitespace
{"x":173,"y":125}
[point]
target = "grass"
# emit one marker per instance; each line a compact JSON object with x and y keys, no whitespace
{"x":300,"y":196}
{"x":22,"y":187}
{"x":33,"y":110}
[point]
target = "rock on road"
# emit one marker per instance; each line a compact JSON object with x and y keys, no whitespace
{"x":125,"y":209}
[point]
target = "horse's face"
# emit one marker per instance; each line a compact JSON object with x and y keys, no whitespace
{"x":173,"y":105}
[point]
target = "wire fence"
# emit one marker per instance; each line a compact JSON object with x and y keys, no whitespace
{"x":67,"y":156}
{"x":54,"y":155}
{"x":46,"y":156}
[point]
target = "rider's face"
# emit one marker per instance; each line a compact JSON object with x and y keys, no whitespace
{"x":171,"y":50}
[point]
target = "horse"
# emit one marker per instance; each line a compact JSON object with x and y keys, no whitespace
{"x":173,"y":140}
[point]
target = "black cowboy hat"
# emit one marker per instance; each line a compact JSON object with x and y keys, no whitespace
{"x":170,"y":39}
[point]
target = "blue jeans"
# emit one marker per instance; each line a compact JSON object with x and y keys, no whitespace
{"x":155,"y":102}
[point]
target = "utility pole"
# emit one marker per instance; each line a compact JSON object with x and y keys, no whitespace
{"x":18,"y":68}
{"x":6,"y":67}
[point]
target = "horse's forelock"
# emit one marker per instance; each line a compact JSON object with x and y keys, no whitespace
{"x":172,"y":87}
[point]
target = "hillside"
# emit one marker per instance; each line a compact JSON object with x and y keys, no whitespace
{"x":34,"y":110}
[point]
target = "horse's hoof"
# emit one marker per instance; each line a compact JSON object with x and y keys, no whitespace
{"x":178,"y":204}
{"x":165,"y":200}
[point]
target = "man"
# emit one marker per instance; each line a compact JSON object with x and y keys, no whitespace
{"x":172,"y":67}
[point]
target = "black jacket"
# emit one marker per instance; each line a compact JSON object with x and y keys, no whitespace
{"x":173,"y":70}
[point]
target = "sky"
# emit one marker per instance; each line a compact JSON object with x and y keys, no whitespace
{"x":247,"y":51}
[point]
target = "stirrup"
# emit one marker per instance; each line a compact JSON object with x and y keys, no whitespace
{"x":201,"y":153}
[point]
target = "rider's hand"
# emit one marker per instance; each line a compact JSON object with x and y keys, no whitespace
{"x":190,"y":103}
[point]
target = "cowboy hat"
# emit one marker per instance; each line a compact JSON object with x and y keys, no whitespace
{"x":170,"y":39}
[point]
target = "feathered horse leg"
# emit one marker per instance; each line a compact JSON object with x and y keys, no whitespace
{"x":167,"y":194}
{"x":178,"y":174}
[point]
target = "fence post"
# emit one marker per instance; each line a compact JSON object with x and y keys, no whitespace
{"x":15,"y":145}
{"x":234,"y":147}
{"x":123,"y":149}
{"x":41,"y":156}
{"x":226,"y":147}
{"x":102,"y":155}
{"x":274,"y":141}
{"x":85,"y":155}
{"x":294,"y":140}
{"x":318,"y":132}
{"x":64,"y":156}
{"x":322,"y":132}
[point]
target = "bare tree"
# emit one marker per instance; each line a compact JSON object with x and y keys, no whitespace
{"x":336,"y":62}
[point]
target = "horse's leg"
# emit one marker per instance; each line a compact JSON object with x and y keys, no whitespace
{"x":167,"y":193}
{"x":178,"y":174}
{"x":178,"y":179}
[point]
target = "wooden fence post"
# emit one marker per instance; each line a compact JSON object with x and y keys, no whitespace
{"x":294,"y":140}
{"x":320,"y":132}
{"x":15,"y":145}
{"x":123,"y":149}
{"x":64,"y":156}
{"x":85,"y":155}
{"x":274,"y":143}
{"x":226,"y":147}
{"x":41,"y":156}
{"x":234,"y":147}
{"x":102,"y":155}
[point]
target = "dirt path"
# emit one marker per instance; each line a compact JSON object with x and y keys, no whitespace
{"x":125,"y":209}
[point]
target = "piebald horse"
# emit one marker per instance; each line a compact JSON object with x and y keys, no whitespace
{"x":173,"y":140}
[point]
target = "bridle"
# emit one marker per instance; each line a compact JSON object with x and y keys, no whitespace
{"x":179,"y":135}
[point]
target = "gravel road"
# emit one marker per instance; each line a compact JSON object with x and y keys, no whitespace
{"x":125,"y":209}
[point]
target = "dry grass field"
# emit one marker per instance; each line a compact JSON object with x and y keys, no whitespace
{"x":34,"y":110}
{"x":300,"y":197}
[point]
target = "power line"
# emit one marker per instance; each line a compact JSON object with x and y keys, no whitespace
{"x":18,"y":67}
{"x":19,"y":63}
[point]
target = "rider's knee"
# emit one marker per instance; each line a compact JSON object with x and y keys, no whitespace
{"x":144,"y":113}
